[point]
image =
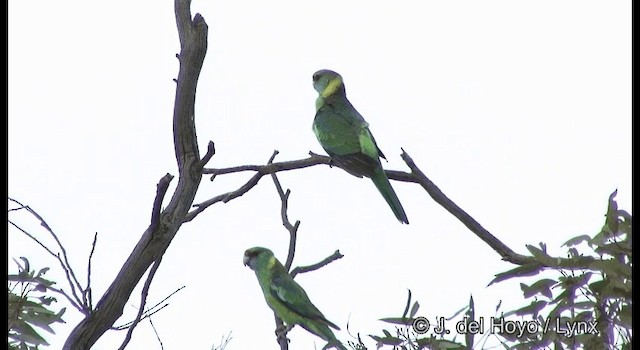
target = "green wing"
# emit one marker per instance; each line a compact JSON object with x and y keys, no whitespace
{"x":335,"y":132}
{"x":345,"y":136}
{"x":293,"y":297}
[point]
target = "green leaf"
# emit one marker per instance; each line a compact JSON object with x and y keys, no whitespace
{"x":447,"y":344}
{"x":542,"y":256}
{"x":24,"y":332}
{"x":559,"y":309}
{"x":612,"y":213}
{"x":406,"y":308}
{"x":575,"y":282}
{"x":585,"y":305}
{"x":457,"y":312}
{"x":611,"y":267}
{"x":404,"y":321}
{"x":583,"y":316}
{"x":26,"y":267}
{"x":577,"y":240}
{"x":597,"y":287}
{"x":520,"y":271}
{"x":414,"y":309}
{"x":532,"y":309}
{"x":468,"y":336}
{"x":625,"y":317}
{"x":42,"y":271}
{"x":388,"y":340}
{"x":542,"y":286}
{"x":614,"y":249}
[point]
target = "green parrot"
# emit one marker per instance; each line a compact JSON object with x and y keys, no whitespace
{"x":286,"y":298}
{"x":345,"y":136}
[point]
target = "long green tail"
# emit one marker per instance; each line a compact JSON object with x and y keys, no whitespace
{"x":320,"y":329}
{"x":382,"y":183}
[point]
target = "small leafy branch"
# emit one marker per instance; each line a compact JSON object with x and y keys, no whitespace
{"x":29,"y":306}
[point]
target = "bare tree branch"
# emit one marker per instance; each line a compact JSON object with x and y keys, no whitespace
{"x":303,"y":269}
{"x":293,"y":229}
{"x":314,"y":159}
{"x":505,"y":252}
{"x":226,"y":197}
{"x":272,"y":168}
{"x":415,"y":176}
{"x":281,"y":330}
{"x":156,"y":238}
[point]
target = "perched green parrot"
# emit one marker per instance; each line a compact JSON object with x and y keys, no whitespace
{"x":286,"y":298}
{"x":345,"y":136}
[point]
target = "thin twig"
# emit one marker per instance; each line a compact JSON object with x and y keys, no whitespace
{"x":86,"y":295}
{"x":33,"y":238}
{"x":70,"y":274}
{"x":150,"y":311}
{"x":75,"y":301}
{"x":145,"y":316}
{"x":303,"y":269}
{"x":223,"y":342}
{"x":143,"y":300}
{"x":156,"y":332}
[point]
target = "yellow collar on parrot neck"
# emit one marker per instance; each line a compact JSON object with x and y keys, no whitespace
{"x":332,"y":87}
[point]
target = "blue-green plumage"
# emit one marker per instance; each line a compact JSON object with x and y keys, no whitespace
{"x":345,"y":136}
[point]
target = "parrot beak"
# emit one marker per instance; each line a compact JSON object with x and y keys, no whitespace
{"x":245,"y":260}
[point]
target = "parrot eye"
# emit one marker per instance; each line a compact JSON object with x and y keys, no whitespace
{"x":316,"y":77}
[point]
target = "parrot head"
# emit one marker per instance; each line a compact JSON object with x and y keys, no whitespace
{"x":253,"y":256}
{"x":327,"y":82}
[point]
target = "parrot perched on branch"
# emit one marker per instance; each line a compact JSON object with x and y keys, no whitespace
{"x":345,"y":136}
{"x":287,"y":298}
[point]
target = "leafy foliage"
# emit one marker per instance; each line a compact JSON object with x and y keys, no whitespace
{"x":586,"y":306}
{"x":28,"y":307}
{"x":413,"y":332}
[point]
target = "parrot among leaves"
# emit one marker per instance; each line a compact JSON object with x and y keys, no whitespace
{"x":345,"y":136}
{"x":287,"y":298}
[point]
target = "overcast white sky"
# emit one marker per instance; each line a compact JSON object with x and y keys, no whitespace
{"x":519,"y":111}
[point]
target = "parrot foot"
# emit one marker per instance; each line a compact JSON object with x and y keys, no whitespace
{"x":281,"y":332}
